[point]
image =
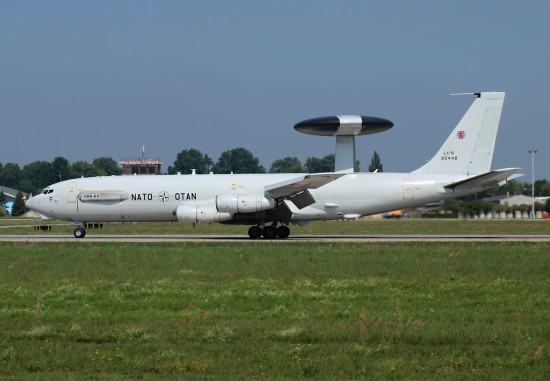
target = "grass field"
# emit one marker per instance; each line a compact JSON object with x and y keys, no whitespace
{"x":263,"y":311}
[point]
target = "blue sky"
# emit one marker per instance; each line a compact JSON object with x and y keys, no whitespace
{"x":86,"y":79}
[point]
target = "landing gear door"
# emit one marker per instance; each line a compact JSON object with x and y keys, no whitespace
{"x":71,"y":193}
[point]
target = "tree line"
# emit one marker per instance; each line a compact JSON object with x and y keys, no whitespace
{"x":240,"y":160}
{"x":35,"y":176}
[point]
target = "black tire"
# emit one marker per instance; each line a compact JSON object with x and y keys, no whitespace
{"x":270,"y":232}
{"x":283,"y":232}
{"x":79,"y":233}
{"x":255,"y":232}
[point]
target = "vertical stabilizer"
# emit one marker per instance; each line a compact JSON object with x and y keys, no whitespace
{"x":469,"y":149}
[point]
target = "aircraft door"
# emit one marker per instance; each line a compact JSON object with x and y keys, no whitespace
{"x":408,"y":189}
{"x":71,"y":193}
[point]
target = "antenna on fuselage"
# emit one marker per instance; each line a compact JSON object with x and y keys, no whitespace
{"x":345,"y":128}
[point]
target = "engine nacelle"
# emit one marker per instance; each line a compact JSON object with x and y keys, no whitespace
{"x":196,"y":213}
{"x":232,"y":203}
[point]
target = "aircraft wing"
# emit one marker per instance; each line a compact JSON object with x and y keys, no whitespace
{"x":490,"y":179}
{"x":297,"y":189}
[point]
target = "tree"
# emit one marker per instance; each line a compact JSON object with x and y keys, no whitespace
{"x":191,"y":159}
{"x":451,"y":205}
{"x":107,"y":165}
{"x":542,"y":188}
{"x":512,"y":187}
{"x":538,"y":206}
{"x":62,"y":169}
{"x":18,"y":207}
{"x":238,"y":160}
{"x":36,"y":176}
{"x":316,"y":165}
{"x":287,"y":165}
{"x":473,"y":207}
{"x":9,"y":177}
{"x":375,"y":163}
{"x":2,"y":203}
{"x":85,"y":169}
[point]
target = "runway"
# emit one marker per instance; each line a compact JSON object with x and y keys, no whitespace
{"x":102,"y":238}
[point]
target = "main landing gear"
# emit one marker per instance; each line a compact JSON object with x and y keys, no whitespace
{"x":269,"y":232}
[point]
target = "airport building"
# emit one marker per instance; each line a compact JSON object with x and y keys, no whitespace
{"x":141,"y":166}
{"x":10,"y":193}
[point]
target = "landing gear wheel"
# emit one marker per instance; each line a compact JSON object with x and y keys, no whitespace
{"x":255,"y":232}
{"x":283,"y":232}
{"x":270,"y":232}
{"x":79,"y":233}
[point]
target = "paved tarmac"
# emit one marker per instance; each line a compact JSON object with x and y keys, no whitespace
{"x":91,"y":238}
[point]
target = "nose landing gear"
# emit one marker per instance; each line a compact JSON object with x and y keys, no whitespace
{"x":79,"y":232}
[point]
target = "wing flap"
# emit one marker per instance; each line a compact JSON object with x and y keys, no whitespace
{"x":291,"y":187}
{"x":490,"y":179}
{"x":284,"y":213}
{"x":302,"y":199}
{"x":297,"y":189}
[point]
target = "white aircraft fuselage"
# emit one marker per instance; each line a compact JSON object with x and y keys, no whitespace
{"x":271,"y":202}
{"x":157,"y":198}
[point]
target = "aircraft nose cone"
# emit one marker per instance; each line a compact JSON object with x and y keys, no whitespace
{"x":30,"y":203}
{"x":38,"y":205}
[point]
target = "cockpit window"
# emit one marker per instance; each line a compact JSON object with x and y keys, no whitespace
{"x":50,"y":191}
{"x":47,"y":191}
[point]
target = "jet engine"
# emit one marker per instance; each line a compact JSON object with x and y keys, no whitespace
{"x":197,"y":213}
{"x":232,"y":203}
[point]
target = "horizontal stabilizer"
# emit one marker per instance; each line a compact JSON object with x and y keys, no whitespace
{"x":487,"y":180}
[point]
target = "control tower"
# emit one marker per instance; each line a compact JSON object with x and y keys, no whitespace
{"x":141,"y":166}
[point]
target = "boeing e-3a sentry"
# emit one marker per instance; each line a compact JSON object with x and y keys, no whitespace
{"x":271,"y":202}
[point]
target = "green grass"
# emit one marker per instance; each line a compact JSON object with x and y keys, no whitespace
{"x":266,"y":311}
{"x":404,"y":226}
